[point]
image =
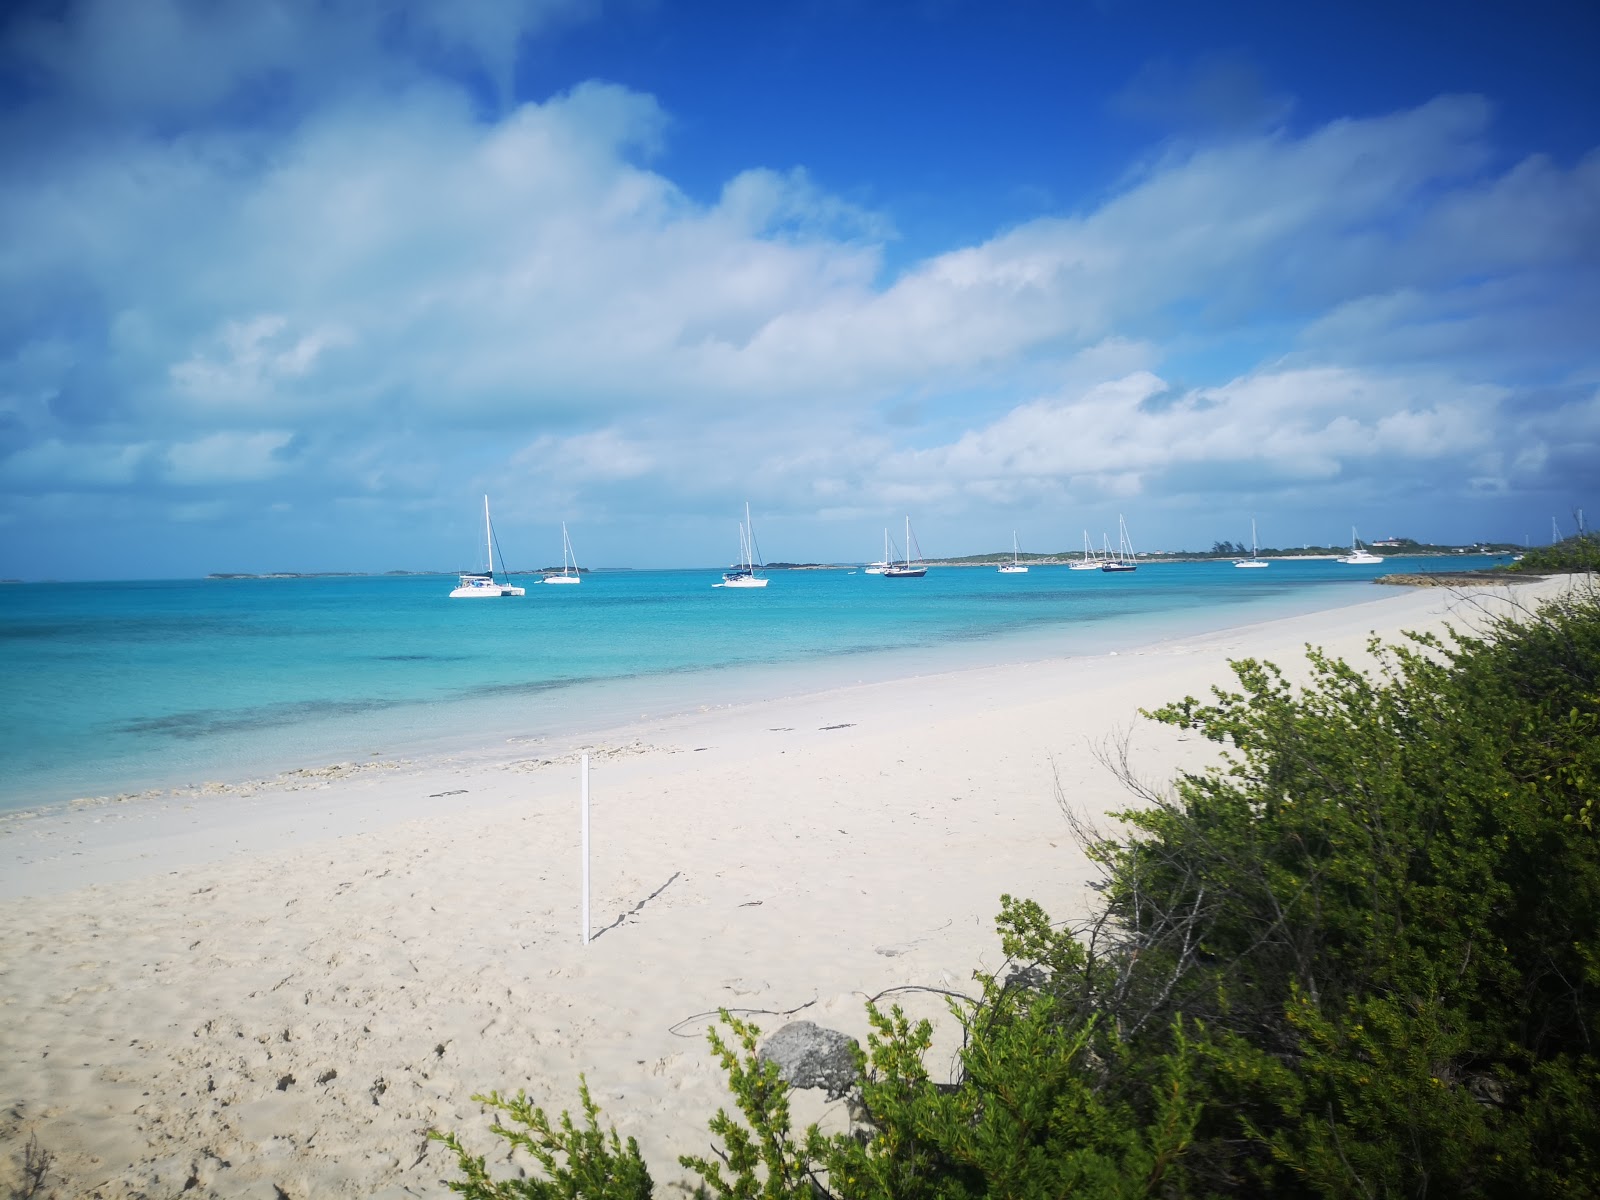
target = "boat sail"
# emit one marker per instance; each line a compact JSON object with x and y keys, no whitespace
{"x":909,"y":568}
{"x":1090,"y":561}
{"x":1014,"y":567}
{"x":744,"y":575}
{"x":1358,"y":556}
{"x":1124,"y":560}
{"x":482,"y":584}
{"x":1255,"y":559}
{"x":569,"y":562}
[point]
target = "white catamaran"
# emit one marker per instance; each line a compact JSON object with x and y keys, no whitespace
{"x":1014,"y":567}
{"x":569,"y":562}
{"x":744,"y":575}
{"x":1255,"y":559}
{"x":475,"y":584}
{"x":909,"y":568}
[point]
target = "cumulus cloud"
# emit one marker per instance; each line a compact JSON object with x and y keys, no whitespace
{"x":387,"y":288}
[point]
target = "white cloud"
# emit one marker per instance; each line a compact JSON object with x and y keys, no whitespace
{"x":389,"y":292}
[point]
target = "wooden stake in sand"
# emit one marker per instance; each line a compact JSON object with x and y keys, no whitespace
{"x":584,"y":824}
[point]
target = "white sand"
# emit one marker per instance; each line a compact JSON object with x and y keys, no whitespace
{"x":278,"y":993}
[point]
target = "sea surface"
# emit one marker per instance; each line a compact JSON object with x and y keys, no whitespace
{"x":111,"y":688}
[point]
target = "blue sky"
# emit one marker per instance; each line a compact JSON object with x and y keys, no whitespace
{"x":290,"y":284}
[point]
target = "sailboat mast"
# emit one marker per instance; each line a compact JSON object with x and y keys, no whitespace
{"x":908,"y":543}
{"x":488,"y":536}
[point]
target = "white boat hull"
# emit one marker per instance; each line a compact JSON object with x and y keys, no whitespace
{"x":562,"y":579}
{"x":1245,"y":562}
{"x":484,"y":593}
{"x":1083,"y":566}
{"x":1008,"y":570}
{"x":747,"y":582}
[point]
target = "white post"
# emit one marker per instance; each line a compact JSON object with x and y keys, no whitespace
{"x":584,"y":809}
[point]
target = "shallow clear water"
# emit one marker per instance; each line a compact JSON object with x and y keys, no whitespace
{"x":112,"y":687}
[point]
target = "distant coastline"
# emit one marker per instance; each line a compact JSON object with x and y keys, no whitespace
{"x":975,"y":560}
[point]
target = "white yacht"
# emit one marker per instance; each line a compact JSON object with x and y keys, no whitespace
{"x":882,"y":565}
{"x":1090,"y":560}
{"x":476,"y":585}
{"x":1255,"y":559}
{"x":1359,"y":556}
{"x":1014,"y":567}
{"x":569,"y":562}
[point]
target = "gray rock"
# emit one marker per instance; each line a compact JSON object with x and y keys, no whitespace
{"x":809,"y":1056}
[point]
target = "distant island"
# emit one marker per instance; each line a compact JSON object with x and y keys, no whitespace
{"x":1388,"y":548}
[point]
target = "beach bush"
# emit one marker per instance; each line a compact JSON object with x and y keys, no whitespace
{"x":1580,"y":553}
{"x":1360,"y":957}
{"x":577,"y":1162}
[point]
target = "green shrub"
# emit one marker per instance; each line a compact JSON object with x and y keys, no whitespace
{"x":1359,"y":958}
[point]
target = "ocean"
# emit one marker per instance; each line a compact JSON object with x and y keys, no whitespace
{"x":112,"y":688}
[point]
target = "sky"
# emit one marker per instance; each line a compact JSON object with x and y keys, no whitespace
{"x":290,"y":285}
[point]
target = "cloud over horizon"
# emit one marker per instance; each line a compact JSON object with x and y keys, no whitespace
{"x":404,"y":286}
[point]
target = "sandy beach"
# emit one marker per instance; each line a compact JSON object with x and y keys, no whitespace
{"x":276,"y":990}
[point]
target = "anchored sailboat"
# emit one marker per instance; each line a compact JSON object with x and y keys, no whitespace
{"x":882,"y":565}
{"x":569,"y":562}
{"x":744,"y":575}
{"x":1090,"y":561}
{"x":909,"y":568}
{"x":1124,"y":560}
{"x":1014,"y":567}
{"x":1255,"y":560}
{"x":480,"y":584}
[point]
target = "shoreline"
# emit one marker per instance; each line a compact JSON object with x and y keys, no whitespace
{"x":432,"y":730}
{"x":286,"y":989}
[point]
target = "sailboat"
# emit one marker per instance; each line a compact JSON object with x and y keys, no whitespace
{"x":1014,"y":567}
{"x":477,"y":584}
{"x":1255,"y":560}
{"x":1358,"y":557}
{"x":1089,"y":561}
{"x":882,"y":565}
{"x":1124,"y":559}
{"x":569,"y":562}
{"x":905,"y":570}
{"x":744,"y":575}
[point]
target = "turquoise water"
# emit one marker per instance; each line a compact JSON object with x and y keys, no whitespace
{"x":113,"y":687}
